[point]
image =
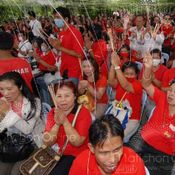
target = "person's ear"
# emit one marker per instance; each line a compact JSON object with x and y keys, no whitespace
{"x":91,"y":148}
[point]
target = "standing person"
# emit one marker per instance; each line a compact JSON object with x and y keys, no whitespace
{"x":98,"y":49}
{"x":35,"y":25}
{"x":19,"y":115}
{"x":10,"y":63}
{"x":106,"y":154}
{"x":59,"y":126}
{"x":24,"y":45}
{"x":70,"y":43}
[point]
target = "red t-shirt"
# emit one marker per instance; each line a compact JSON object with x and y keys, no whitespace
{"x":158,"y":73}
{"x":48,"y":58}
{"x":82,"y":126}
{"x":101,"y":83}
{"x":154,"y":132}
{"x":100,"y":55}
{"x":71,"y":39}
{"x":130,"y":164}
{"x":167,"y":77}
{"x":134,"y":99}
{"x":18,"y":65}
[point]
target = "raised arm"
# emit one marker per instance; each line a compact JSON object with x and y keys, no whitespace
{"x":147,"y":75}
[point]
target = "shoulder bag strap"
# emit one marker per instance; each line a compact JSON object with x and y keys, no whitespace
{"x":73,"y":124}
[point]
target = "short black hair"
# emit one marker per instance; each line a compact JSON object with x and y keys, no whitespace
{"x":96,"y":31}
{"x":32,"y":13}
{"x":104,"y":127}
{"x":6,"y":41}
{"x":65,"y":13}
{"x":130,"y":64}
{"x":156,"y":51}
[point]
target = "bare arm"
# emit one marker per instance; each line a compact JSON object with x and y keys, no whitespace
{"x":57,"y":45}
{"x":147,"y":75}
{"x":115,"y":60}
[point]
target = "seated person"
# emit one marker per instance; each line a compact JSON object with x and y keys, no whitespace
{"x":157,"y":135}
{"x":106,"y":154}
{"x":19,"y":114}
{"x":127,"y":88}
{"x":94,"y":86}
{"x":158,"y":69}
{"x":59,"y":126}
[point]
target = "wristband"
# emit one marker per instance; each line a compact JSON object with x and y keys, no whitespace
{"x":116,"y":67}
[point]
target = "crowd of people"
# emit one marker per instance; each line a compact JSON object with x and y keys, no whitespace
{"x":89,"y":64}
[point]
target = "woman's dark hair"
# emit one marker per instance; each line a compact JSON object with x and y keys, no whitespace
{"x":21,"y":84}
{"x":124,"y":47}
{"x":101,"y":129}
{"x":96,"y":69}
{"x":65,"y":13}
{"x":156,"y":51}
{"x":6,"y":41}
{"x":132,"y":65}
{"x":39,"y":41}
{"x":67,"y":83}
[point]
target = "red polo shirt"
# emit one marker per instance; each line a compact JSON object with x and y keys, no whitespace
{"x":18,"y":65}
{"x":134,"y":99}
{"x":71,"y":39}
{"x":82,"y":126}
{"x":130,"y":164}
{"x":159,"y":131}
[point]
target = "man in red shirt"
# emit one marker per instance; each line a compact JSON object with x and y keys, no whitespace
{"x":106,"y":154}
{"x":9,"y":63}
{"x":70,"y":43}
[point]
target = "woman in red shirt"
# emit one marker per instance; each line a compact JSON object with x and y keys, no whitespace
{"x":158,"y":134}
{"x":94,"y":85}
{"x":127,"y":88}
{"x":59,"y":126}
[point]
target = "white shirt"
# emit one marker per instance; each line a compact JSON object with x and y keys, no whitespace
{"x":24,"y":46}
{"x":35,"y":25}
{"x":138,"y":43}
